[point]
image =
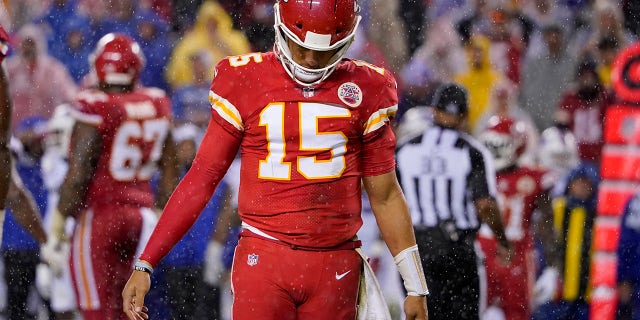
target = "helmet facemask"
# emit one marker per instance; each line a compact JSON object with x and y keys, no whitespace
{"x":313,"y":41}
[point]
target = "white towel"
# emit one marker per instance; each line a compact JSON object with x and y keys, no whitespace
{"x":371,"y":302}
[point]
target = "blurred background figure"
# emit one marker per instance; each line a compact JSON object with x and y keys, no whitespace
{"x":581,"y":109}
{"x":629,"y":262}
{"x":574,"y":215}
{"x":53,"y":279}
{"x":525,"y":207}
{"x":503,"y":104}
{"x":39,"y":82}
{"x":190,"y":102}
{"x":479,"y":79}
{"x":545,"y":76}
{"x":213,"y":31}
{"x":20,"y":251}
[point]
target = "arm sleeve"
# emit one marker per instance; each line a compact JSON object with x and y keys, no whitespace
{"x":217,"y":151}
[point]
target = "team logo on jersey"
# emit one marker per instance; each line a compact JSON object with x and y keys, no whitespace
{"x":350,"y":94}
{"x":252,"y":259}
{"x":526,"y":185}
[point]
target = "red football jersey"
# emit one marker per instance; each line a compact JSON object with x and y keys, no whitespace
{"x":517,"y":191}
{"x":133,"y":127}
{"x":304,"y":151}
{"x":586,"y":121}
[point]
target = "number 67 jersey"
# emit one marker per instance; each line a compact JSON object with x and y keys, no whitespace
{"x":133,"y":128}
{"x":304,"y":150}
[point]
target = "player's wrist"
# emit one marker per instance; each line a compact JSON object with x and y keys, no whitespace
{"x":143,"y":266}
{"x":57,"y":225}
{"x":410,"y":268}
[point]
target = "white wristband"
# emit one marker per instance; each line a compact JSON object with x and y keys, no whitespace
{"x":410,"y":267}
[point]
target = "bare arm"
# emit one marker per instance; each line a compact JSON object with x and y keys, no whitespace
{"x":25,"y":210}
{"x":543,"y":227}
{"x":170,"y":173}
{"x":489,"y":213}
{"x":394,"y":221}
{"x":85,"y":150}
{"x":5,"y":128}
{"x":391,"y":211}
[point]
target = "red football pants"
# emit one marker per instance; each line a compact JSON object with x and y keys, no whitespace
{"x":272,"y":281}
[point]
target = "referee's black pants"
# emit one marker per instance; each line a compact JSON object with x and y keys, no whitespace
{"x":451,"y":269}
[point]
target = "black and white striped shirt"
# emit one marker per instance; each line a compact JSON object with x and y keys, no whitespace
{"x":442,"y":171}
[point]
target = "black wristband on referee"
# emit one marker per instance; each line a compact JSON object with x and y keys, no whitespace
{"x":142,"y":266}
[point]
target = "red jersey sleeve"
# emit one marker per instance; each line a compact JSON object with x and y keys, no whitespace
{"x":217,"y":150}
{"x":379,"y":141}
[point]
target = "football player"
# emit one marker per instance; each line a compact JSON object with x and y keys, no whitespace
{"x":120,"y":137}
{"x":5,"y":125}
{"x":310,"y":127}
{"x":521,"y":191}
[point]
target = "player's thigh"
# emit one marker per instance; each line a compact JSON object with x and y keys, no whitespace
{"x":335,"y":290}
{"x":259,"y":281}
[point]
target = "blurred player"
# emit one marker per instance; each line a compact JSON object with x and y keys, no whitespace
{"x":521,"y":191}
{"x":53,"y":279}
{"x":310,"y":127}
{"x":121,"y":136}
{"x":5,"y":126}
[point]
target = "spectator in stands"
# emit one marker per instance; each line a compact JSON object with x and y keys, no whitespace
{"x":544,"y":13}
{"x":607,"y":50}
{"x":479,"y":79}
{"x":581,"y":109}
{"x":73,"y":46}
{"x":190,"y":102}
{"x":39,"y":82}
{"x":213,"y":31}
{"x":152,"y":33}
{"x":606,"y":21}
{"x":546,"y":76}
{"x":55,"y":17}
{"x":439,"y":58}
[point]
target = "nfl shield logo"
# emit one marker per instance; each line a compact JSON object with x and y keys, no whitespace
{"x":252,"y":259}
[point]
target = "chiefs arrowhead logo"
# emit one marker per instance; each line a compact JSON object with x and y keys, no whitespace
{"x":350,"y":94}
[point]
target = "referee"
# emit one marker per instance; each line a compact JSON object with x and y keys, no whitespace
{"x":450,"y":184}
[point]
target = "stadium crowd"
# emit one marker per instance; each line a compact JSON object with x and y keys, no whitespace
{"x":545,"y":64}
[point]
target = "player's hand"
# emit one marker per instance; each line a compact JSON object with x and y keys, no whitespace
{"x":58,"y":223}
{"x":545,"y":286}
{"x":133,"y":295}
{"x":213,"y":266}
{"x":56,"y":254}
{"x":415,"y":308}
{"x":43,"y":280}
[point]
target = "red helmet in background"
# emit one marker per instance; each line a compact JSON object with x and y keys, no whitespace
{"x":320,"y":25}
{"x":117,"y":59}
{"x":506,"y":139}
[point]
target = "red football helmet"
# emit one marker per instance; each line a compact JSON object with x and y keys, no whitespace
{"x":506,"y":140}
{"x":117,"y":59}
{"x":320,"y":25}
